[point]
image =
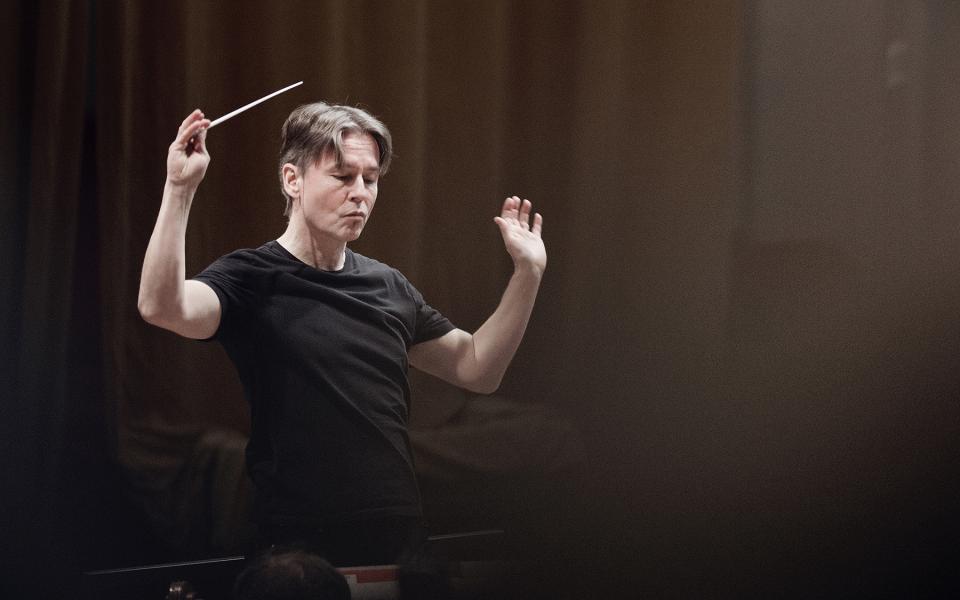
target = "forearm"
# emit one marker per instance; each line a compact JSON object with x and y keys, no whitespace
{"x":478,"y":362}
{"x":164,"y":264}
{"x":496,"y":341}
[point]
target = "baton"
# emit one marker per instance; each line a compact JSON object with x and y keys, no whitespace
{"x":232,"y":114}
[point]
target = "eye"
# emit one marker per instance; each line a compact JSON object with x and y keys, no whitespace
{"x":369,"y":181}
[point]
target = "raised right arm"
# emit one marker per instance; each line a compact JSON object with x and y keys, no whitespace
{"x":167,"y":299}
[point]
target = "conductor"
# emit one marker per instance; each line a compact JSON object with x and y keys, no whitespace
{"x":322,"y":336}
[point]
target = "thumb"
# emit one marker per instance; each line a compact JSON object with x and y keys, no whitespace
{"x":503,"y":225}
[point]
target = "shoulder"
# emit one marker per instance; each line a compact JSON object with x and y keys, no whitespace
{"x":265,"y":257}
{"x":372,"y":269}
{"x":268,"y":253}
{"x":246,"y":271}
{"x":365,"y":265}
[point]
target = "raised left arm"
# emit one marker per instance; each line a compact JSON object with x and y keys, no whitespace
{"x":478,"y":361}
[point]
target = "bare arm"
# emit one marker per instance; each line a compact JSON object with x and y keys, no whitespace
{"x":478,"y":361}
{"x":167,"y":299}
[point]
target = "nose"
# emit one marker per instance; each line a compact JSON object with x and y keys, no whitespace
{"x":359,"y":192}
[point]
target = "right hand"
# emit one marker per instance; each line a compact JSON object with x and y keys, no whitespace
{"x":188,"y":158}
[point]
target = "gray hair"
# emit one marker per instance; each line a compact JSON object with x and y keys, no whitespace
{"x":313,"y":129}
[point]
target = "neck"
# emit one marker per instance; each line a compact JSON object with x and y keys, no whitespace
{"x":320,"y":253}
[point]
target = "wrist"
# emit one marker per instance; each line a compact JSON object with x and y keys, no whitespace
{"x":178,"y":190}
{"x":528,"y":270}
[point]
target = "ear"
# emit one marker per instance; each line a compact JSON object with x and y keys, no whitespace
{"x":292,"y":184}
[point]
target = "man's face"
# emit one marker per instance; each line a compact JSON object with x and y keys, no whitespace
{"x":337,"y":200}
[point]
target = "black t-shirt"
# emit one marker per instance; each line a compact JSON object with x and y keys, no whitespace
{"x":322,"y":356}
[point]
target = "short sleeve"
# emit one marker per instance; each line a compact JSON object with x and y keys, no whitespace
{"x":430,"y":323}
{"x":228,"y":276}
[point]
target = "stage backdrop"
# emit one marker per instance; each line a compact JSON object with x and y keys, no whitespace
{"x":751,"y":219}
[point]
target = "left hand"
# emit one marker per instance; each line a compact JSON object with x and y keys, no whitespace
{"x":521,"y":237}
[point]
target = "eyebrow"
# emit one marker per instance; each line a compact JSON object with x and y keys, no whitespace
{"x":351,"y":166}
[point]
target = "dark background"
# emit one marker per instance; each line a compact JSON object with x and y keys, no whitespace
{"x":752,"y":213}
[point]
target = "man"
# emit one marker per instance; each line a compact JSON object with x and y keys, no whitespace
{"x":322,"y":336}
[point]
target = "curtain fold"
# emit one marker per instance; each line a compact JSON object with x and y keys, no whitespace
{"x":579,"y":108}
{"x":616,"y":118}
{"x":42,"y":281}
{"x":749,"y":211}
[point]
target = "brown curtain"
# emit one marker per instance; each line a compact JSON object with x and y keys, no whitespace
{"x":56,"y":441}
{"x":722,"y":317}
{"x":570,"y":104}
{"x":595,"y":111}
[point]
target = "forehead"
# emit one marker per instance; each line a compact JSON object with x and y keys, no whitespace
{"x":359,"y":149}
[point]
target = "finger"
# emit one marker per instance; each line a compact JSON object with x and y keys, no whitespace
{"x":197,"y":113}
{"x":516,"y":205}
{"x":183,"y":140}
{"x":524,"y":216}
{"x":537,"y":228}
{"x":510,"y":206}
{"x":199,"y":141}
{"x":504,"y":226}
{"x":185,"y":134}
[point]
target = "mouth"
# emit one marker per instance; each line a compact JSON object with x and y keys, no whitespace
{"x":356,"y":215}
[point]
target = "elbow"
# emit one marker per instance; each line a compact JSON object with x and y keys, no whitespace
{"x":485,"y":390}
{"x":481,"y":376}
{"x":484,"y":386}
{"x":149,"y":311}
{"x":146,"y":309}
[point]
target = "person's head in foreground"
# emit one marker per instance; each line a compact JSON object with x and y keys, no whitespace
{"x":289,"y":573}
